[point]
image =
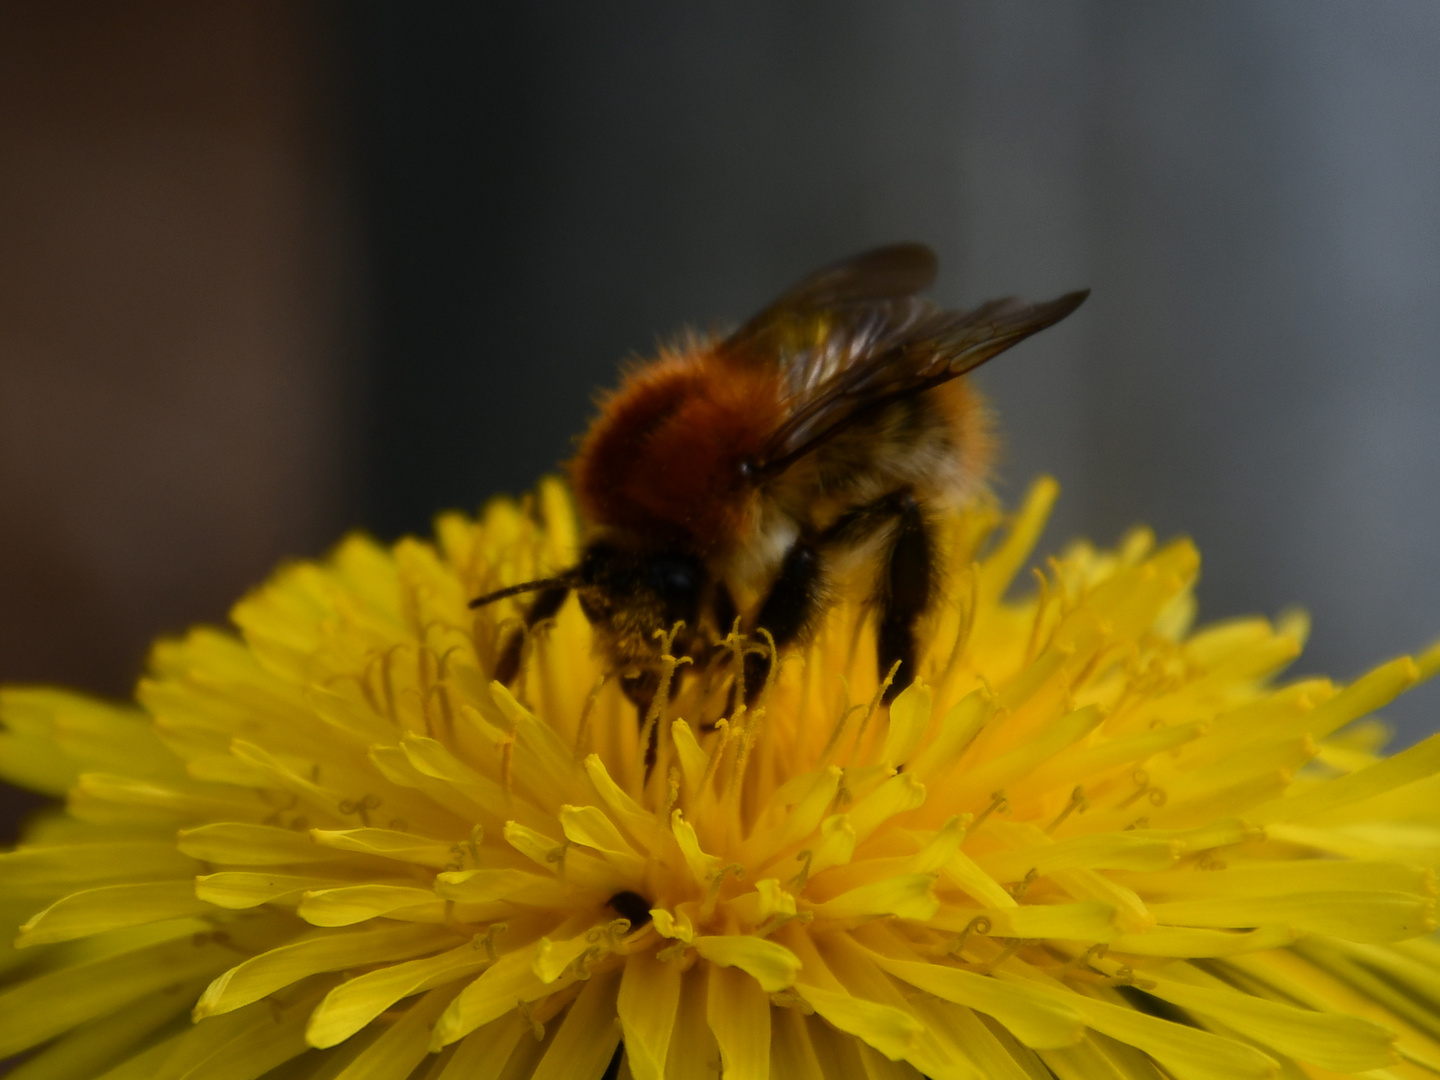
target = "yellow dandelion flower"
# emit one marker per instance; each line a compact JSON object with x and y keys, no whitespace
{"x":1087,"y":842}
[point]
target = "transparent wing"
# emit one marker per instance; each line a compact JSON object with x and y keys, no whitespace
{"x":886,"y":273}
{"x":880,"y":352}
{"x":836,"y":315}
{"x":854,"y":336}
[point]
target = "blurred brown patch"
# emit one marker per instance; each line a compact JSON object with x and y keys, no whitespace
{"x":169,"y":269}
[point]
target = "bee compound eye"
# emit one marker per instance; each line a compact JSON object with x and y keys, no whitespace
{"x":675,"y":580}
{"x":673,"y":577}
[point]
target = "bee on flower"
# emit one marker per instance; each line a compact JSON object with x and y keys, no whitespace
{"x":731,"y":475}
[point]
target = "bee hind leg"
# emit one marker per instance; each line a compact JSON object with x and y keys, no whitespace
{"x":907,"y":583}
{"x":906,"y":590}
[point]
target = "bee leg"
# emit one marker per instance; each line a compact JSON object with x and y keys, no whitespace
{"x":722,"y":605}
{"x":795,"y":598}
{"x":640,"y":687}
{"x":507,"y":665}
{"x":906,"y":591}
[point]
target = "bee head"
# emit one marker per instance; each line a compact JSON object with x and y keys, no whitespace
{"x":629,"y":595}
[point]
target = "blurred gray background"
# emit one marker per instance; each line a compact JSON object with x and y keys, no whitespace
{"x":269,"y":270}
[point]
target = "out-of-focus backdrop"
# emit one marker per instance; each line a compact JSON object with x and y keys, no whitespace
{"x":272,"y":269}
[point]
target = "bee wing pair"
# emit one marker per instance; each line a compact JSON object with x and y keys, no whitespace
{"x":854,"y":337}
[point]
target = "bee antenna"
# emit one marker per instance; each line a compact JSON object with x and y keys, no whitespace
{"x":564,"y":580}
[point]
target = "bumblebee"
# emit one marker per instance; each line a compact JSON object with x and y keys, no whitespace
{"x":729,"y":477}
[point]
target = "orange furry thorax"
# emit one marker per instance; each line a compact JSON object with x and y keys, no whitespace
{"x":664,"y":457}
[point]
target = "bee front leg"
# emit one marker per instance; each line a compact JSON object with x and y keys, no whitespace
{"x":507,"y":664}
{"x":640,"y":687}
{"x":723,"y":609}
{"x":906,"y":591}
